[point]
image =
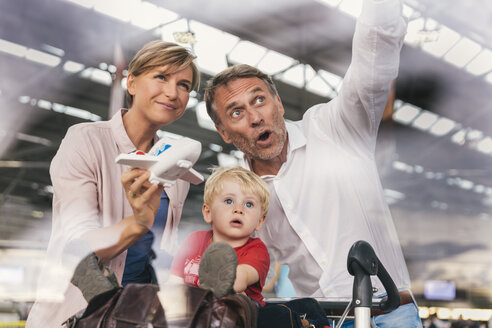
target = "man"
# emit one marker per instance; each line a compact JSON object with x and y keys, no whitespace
{"x":325,"y":189}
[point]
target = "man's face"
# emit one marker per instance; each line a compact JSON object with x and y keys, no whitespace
{"x":251,"y":118}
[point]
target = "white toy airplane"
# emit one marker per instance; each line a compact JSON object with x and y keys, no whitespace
{"x":168,"y":160}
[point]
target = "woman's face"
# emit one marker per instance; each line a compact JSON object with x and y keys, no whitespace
{"x":159,"y":96}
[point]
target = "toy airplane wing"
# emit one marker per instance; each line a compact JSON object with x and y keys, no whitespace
{"x":134,"y":160}
{"x":192,"y":176}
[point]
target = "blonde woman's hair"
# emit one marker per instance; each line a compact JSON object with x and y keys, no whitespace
{"x":160,"y":53}
{"x":248,"y":181}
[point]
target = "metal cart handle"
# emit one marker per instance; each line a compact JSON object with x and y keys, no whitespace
{"x":362,"y":263}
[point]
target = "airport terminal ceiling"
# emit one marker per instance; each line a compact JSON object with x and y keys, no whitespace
{"x":58,"y":59}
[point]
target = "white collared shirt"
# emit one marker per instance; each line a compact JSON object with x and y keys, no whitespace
{"x":328,"y":194}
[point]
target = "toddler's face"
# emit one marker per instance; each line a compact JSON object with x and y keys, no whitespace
{"x":234,"y":214}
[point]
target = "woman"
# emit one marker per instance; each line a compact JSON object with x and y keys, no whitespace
{"x":91,"y":204}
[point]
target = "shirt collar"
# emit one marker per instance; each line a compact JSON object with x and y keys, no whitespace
{"x":125,"y":145}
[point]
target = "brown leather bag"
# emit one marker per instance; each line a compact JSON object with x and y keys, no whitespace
{"x":229,"y":311}
{"x":137,"y":305}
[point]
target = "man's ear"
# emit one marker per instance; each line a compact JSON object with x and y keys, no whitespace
{"x":223,"y":133}
{"x":130,"y":84}
{"x":279,"y":104}
{"x":207,"y":215}
{"x":260,"y":223}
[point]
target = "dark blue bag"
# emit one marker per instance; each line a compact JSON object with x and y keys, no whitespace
{"x":298,"y":313}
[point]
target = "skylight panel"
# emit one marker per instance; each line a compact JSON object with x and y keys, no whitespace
{"x":294,"y":76}
{"x":406,"y":114}
{"x":119,"y":9}
{"x":481,"y":64}
{"x":211,"y":59}
{"x":447,"y":39}
{"x":442,"y":127}
{"x":462,"y":52}
{"x":413,"y":32}
{"x":148,"y":16}
{"x":42,"y":58}
{"x":351,"y":7}
{"x":275,"y":62}
{"x":246,"y":52}
{"x":12,"y":48}
{"x":72,"y":67}
{"x":318,"y":86}
{"x":425,"y":120}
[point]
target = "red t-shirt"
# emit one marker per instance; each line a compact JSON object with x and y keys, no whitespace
{"x":187,"y":260}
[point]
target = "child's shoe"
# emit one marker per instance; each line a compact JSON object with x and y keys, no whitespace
{"x":217,"y":270}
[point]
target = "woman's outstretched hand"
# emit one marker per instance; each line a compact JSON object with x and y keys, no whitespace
{"x":144,"y":197}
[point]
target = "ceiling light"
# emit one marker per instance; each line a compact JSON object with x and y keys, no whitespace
{"x":53,"y":50}
{"x":466,"y":184}
{"x":442,"y":126}
{"x":162,"y":134}
{"x":72,"y":67}
{"x":447,"y":39}
{"x":42,"y":58}
{"x":216,"y":148}
{"x":246,"y":52}
{"x":167,"y":31}
{"x":226,"y":160}
{"x":406,"y":113}
{"x":275,"y":62}
{"x":97,"y":75}
{"x":34,"y":139}
{"x":488,"y":78}
{"x":481,"y":64}
{"x":24,"y":99}
{"x":187,"y":37}
{"x":394,"y":194}
{"x":44,"y":104}
{"x":462,"y":52}
{"x":11,"y":275}
{"x":76,"y":112}
{"x":12,"y":48}
{"x":485,"y":145}
{"x":407,"y":11}
{"x":459,"y":137}
{"x":351,"y":7}
{"x":425,"y":120}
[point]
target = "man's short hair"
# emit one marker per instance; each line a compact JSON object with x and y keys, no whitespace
{"x":228,"y":75}
{"x":249,"y":181}
{"x":160,"y":53}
